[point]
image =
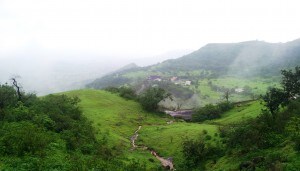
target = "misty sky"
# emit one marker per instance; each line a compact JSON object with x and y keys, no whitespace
{"x":134,"y":28}
{"x":51,"y":42}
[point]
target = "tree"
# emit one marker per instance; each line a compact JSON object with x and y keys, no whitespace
{"x":291,"y":82}
{"x":194,"y":152}
{"x":8,"y":96}
{"x":273,"y":99}
{"x":151,"y":97}
{"x":127,"y":93}
{"x":226,"y":95}
{"x":17,"y":87}
{"x":207,"y":112}
{"x":276,"y":97}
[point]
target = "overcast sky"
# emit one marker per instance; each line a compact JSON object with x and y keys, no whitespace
{"x":58,"y":45}
{"x":139,"y":28}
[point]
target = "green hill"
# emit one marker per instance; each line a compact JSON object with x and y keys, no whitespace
{"x":100,"y":130}
{"x":213,"y":69}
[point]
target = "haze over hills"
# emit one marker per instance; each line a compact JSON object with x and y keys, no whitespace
{"x":213,"y":66}
{"x":43,"y":72}
{"x":251,"y":58}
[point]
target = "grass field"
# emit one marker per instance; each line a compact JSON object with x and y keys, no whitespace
{"x":167,"y":139}
{"x":119,"y":118}
{"x":241,"y":112}
{"x":258,"y":85}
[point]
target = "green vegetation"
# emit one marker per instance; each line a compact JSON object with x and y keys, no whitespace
{"x":93,"y":129}
{"x":209,"y":112}
{"x":119,"y":118}
{"x":47,"y":133}
{"x":151,"y":97}
{"x":240,"y":112}
{"x":213,"y":70}
{"x":124,"y":91}
{"x":256,"y":143}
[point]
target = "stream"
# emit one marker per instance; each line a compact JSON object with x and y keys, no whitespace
{"x":166,"y":163}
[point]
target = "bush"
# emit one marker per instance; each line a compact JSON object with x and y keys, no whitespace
{"x":124,"y":91}
{"x":127,"y":93}
{"x":196,"y":152}
{"x":207,"y":137}
{"x":225,"y":106}
{"x":8,"y":96}
{"x":207,"y":112}
{"x":19,"y":138}
{"x":112,"y":89}
{"x":50,"y":133}
{"x":151,"y":97}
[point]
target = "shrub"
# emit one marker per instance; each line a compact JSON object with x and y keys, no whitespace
{"x":207,"y":137}
{"x":127,"y":93}
{"x":207,"y":112}
{"x":225,"y":106}
{"x":151,"y":97}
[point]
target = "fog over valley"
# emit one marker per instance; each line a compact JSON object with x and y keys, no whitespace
{"x":56,"y":46}
{"x":150,"y":85}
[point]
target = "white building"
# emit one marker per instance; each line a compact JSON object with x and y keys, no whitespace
{"x":187,"y":83}
{"x":239,"y":90}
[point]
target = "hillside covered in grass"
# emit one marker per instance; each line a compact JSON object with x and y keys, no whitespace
{"x":167,"y":135}
{"x":93,"y":129}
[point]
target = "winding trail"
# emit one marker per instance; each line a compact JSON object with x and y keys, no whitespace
{"x":166,"y":163}
{"x":134,"y":137}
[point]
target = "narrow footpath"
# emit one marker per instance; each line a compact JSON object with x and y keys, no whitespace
{"x":166,"y":163}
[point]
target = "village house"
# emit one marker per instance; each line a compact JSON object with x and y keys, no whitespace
{"x":154,"y":78}
{"x":173,"y":79}
{"x":187,"y":83}
{"x":239,"y":90}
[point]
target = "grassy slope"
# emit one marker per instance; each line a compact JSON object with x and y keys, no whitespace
{"x":120,"y":117}
{"x":167,"y":139}
{"x":241,"y":112}
{"x":259,"y":85}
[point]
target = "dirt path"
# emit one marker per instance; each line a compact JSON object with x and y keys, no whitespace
{"x":166,"y":163}
{"x":134,"y":137}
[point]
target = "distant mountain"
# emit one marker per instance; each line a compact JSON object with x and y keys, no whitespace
{"x":252,"y":58}
{"x":244,"y":59}
{"x":162,"y":57}
{"x":127,"y":67}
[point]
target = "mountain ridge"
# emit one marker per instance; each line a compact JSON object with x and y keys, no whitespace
{"x":247,"y":59}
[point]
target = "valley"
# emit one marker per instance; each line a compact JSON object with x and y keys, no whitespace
{"x":204,"y":76}
{"x":149,"y":85}
{"x":120,"y":118}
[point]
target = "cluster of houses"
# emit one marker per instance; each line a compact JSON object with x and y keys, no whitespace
{"x":182,"y":82}
{"x":174,"y":80}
